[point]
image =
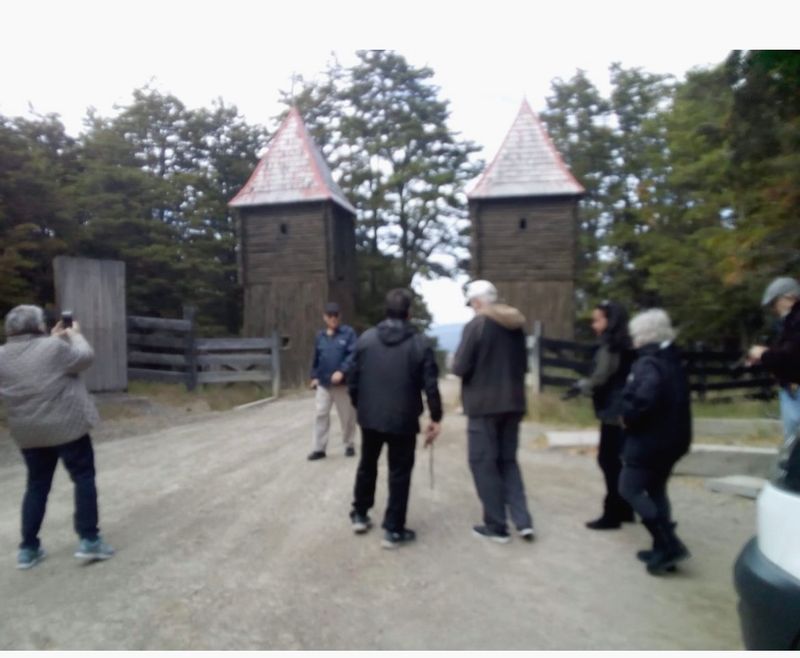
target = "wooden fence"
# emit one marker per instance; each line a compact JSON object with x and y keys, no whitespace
{"x":168,"y":351}
{"x":560,"y":363}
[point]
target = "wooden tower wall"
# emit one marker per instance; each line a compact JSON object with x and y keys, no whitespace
{"x":527,"y":248}
{"x":295,"y":258}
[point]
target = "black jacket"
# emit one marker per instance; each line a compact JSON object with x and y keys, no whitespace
{"x":394,"y":363}
{"x":656,"y":409}
{"x":492,"y":360}
{"x":610,"y":370}
{"x":782,"y":360}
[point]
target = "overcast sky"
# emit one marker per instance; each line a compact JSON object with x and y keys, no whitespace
{"x":66,"y":56}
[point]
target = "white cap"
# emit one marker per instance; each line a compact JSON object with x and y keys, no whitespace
{"x":480,"y":288}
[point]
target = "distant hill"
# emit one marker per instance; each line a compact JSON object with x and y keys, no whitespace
{"x":449,"y":335}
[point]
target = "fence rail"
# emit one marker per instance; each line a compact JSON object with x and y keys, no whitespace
{"x":560,"y":363}
{"x":167,"y":350}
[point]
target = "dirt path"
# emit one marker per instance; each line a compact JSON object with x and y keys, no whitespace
{"x":228,"y":538}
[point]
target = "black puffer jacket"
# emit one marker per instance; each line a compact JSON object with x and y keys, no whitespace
{"x":782,"y":360}
{"x":656,"y":409}
{"x":393,"y":365}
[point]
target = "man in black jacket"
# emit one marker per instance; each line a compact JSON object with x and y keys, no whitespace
{"x":393,"y":365}
{"x":782,"y":359}
{"x":492,"y":360}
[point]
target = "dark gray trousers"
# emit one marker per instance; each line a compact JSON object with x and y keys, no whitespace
{"x":493,"y":442}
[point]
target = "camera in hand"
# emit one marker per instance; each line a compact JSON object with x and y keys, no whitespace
{"x":66,"y":319}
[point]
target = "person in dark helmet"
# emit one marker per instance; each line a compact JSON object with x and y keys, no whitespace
{"x":610,"y":367}
{"x":782,"y":359}
{"x":492,"y":360}
{"x":657,"y":419}
{"x":393,"y":364}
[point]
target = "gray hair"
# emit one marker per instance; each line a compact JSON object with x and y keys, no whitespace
{"x":651,"y":326}
{"x":25,"y":319}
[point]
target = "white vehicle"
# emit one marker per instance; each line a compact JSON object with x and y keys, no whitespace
{"x":767,"y":571}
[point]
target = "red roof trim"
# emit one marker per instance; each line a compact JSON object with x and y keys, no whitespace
{"x":483,"y":180}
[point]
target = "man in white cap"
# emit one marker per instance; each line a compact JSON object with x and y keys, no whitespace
{"x":782,"y":360}
{"x":491,"y":361}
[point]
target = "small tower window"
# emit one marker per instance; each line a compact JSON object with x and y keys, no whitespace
{"x":523,"y":224}
{"x":284,"y":228}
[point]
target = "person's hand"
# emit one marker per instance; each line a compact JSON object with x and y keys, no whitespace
{"x":432,"y":431}
{"x":313,"y":383}
{"x":755,"y":353}
{"x":337,"y":377}
{"x":58,"y":329}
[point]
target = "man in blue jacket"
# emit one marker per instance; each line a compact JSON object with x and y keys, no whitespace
{"x":334,"y":351}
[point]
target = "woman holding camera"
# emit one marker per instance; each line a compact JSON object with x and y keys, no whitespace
{"x":49,"y":415}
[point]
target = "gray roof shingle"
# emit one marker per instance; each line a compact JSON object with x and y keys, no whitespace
{"x":292,"y":171}
{"x":527,"y":164}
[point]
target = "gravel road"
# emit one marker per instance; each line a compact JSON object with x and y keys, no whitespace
{"x":228,"y":538}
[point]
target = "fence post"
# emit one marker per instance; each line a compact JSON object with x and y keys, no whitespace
{"x":189,"y":313}
{"x":535,"y":358}
{"x":276,"y":363}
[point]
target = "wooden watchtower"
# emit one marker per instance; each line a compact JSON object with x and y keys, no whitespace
{"x":297,"y":246}
{"x":524,"y":211}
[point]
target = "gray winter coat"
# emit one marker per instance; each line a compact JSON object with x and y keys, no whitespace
{"x":47,"y":403}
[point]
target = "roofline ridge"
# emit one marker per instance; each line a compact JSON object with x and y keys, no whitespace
{"x":488,"y":169}
{"x":556,"y":154}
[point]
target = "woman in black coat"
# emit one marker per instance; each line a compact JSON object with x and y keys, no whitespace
{"x":656,"y":415}
{"x":610,"y":367}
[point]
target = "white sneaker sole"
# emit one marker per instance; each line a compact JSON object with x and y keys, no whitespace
{"x":93,"y":556}
{"x":528,"y":535}
{"x":361,"y":528}
{"x":495,"y":538}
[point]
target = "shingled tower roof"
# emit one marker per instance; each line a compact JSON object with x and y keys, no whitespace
{"x":527,"y":164}
{"x":291,"y":171}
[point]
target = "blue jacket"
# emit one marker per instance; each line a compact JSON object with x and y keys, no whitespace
{"x":332,"y":353}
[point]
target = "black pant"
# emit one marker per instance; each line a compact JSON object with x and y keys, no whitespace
{"x":646,"y":490}
{"x":401,"y":463}
{"x":78,"y":458}
{"x":615,"y":507}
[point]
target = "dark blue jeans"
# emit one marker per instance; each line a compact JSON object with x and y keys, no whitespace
{"x":78,"y":458}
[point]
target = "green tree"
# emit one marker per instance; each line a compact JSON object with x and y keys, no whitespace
{"x":37,"y":170}
{"x":383,"y":130}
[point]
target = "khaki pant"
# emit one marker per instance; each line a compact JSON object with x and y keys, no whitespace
{"x":326,"y":398}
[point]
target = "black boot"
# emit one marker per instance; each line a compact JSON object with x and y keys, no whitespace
{"x":608,"y":521}
{"x":647,"y":555}
{"x":668,"y":550}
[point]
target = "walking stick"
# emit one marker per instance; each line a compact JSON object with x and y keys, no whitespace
{"x":430,"y":464}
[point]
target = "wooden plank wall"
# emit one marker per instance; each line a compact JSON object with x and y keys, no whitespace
{"x":290,"y":273}
{"x":527,"y":248}
{"x":95,"y":292}
{"x":294,"y":308}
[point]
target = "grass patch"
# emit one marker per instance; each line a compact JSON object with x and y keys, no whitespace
{"x":736,"y":408}
{"x":548,"y":408}
{"x":218,"y":397}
